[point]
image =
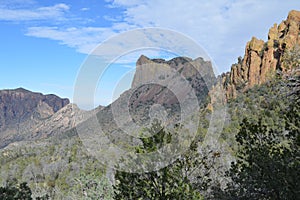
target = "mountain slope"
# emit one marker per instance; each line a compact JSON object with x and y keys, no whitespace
{"x":21,"y":110}
{"x":258,"y":83}
{"x":158,"y":93}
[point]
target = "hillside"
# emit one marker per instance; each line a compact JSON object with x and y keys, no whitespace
{"x":66,"y":152}
{"x":21,"y":110}
{"x":158,"y":96}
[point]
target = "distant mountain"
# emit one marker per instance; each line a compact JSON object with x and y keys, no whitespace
{"x":21,"y":109}
{"x":30,"y":116}
{"x":39,"y":132}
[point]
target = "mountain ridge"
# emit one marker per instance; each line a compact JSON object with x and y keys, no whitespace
{"x":260,"y":62}
{"x":50,"y":162}
{"x":263,"y":59}
{"x":21,"y":109}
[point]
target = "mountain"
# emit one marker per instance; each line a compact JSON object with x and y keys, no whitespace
{"x":158,"y":81}
{"x":157,"y":94}
{"x":30,"y":116}
{"x":263,"y":59}
{"x":52,"y":140}
{"x":21,"y":110}
{"x":198,"y":72}
{"x":39,"y":133}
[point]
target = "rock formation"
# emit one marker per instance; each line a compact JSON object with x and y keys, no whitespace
{"x":20,"y":110}
{"x":198,"y":73}
{"x":263,"y":59}
{"x":28,"y":115}
{"x":63,"y":120}
{"x":156,"y":93}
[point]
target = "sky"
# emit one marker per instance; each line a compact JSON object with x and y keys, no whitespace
{"x":44,"y":43}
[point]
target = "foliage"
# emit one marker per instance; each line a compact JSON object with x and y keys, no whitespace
{"x":170,"y":182}
{"x":18,"y":191}
{"x":48,"y":167}
{"x":268,"y":156}
{"x":91,"y":186}
{"x":291,"y":58}
{"x":262,"y":129}
{"x":21,"y":191}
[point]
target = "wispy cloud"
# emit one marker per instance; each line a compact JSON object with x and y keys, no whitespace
{"x":117,"y":3}
{"x":85,"y":9}
{"x":16,"y":3}
{"x":84,"y":39}
{"x":56,"y":12}
{"x":222,"y":27}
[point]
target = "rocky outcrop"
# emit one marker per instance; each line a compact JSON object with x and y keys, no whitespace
{"x":263,"y":59}
{"x":65,"y":119}
{"x":151,"y":69}
{"x":28,"y":116}
{"x":157,"y":93}
{"x":20,"y":110}
{"x":152,"y":76}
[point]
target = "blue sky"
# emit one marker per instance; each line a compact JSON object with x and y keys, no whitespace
{"x":44,"y":43}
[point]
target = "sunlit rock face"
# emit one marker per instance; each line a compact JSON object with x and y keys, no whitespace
{"x":262,"y":59}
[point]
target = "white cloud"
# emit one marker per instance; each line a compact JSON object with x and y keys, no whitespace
{"x":152,"y":42}
{"x":41,"y":13}
{"x":83,"y":39}
{"x":84,"y":9}
{"x":222,"y":27}
{"x":16,"y":3}
{"x":116,"y":3}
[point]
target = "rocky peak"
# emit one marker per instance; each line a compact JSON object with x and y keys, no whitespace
{"x":152,"y":75}
{"x":20,"y":105}
{"x":143,"y":60}
{"x":293,"y":16}
{"x":21,"y":110}
{"x":147,"y":70}
{"x":162,"y":90}
{"x":262,"y":59}
{"x":63,"y":120}
{"x":158,"y":69}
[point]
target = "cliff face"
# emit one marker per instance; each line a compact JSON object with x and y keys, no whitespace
{"x":157,"y":93}
{"x":21,"y":109}
{"x":197,"y":72}
{"x":262,"y":59}
{"x":20,"y":105}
